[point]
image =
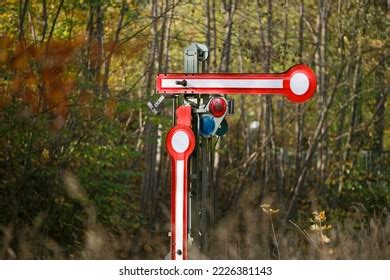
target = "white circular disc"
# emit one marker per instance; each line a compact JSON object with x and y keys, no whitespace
{"x":180,"y":141}
{"x":299,"y":83}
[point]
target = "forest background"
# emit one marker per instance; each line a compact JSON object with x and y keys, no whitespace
{"x":84,"y":173}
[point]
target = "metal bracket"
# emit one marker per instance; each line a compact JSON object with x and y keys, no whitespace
{"x":155,"y":107}
{"x":230,"y":106}
{"x":194,"y":54}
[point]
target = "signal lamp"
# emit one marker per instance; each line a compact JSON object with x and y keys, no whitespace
{"x":223,"y":128}
{"x":207,"y":125}
{"x":218,"y":107}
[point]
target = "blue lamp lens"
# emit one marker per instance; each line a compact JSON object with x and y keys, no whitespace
{"x":207,"y":125}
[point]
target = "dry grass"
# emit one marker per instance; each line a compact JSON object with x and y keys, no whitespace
{"x":242,"y":236}
{"x":247,"y":233}
{"x":250,"y":235}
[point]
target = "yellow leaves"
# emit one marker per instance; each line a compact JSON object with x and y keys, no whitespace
{"x":80,"y":15}
{"x":112,"y":13}
{"x":345,"y":39}
{"x":376,"y":43}
{"x":45,"y":154}
{"x":319,"y":216}
{"x":319,"y":227}
{"x":267,"y":209}
{"x":316,"y":227}
{"x":131,"y":49}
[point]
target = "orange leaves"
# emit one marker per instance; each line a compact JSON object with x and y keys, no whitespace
{"x":110,"y":46}
{"x":5,"y":44}
{"x":31,"y":98}
{"x":56,"y":96}
{"x":110,"y":108}
{"x":31,"y":80}
{"x":58,"y":53}
{"x":3,"y":56}
{"x":79,"y":40}
{"x":84,"y":102}
{"x":128,"y":49}
{"x":41,"y":77}
{"x":85,"y":98}
{"x":57,"y":123}
{"x":131,"y":49}
{"x":17,"y":85}
{"x":35,"y":52}
{"x":20,"y":57}
{"x":95,"y":54}
{"x":51,"y":75}
{"x":5,"y":98}
{"x":38,"y":75}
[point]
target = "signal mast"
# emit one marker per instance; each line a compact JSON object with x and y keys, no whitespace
{"x":201,"y":116}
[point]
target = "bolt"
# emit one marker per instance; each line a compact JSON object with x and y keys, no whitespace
{"x":183,"y":83}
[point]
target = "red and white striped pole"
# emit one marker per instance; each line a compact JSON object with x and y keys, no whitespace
{"x":180,"y":144}
{"x":297,"y":84}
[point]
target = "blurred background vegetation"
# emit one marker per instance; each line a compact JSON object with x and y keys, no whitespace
{"x":83,"y":167}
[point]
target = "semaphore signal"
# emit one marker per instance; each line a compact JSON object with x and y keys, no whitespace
{"x":197,"y":120}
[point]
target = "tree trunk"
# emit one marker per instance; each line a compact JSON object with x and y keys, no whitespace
{"x":149,"y":180}
{"x":22,"y":16}
{"x":320,"y":67}
{"x":353,"y":121}
{"x":100,"y":42}
{"x":230,"y":9}
{"x":224,"y":67}
{"x":208,"y":32}
{"x":299,"y":124}
{"x":269,"y":159}
{"x":381,"y":97}
{"x":108,"y":58}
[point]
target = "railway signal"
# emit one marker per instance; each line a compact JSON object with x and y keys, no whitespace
{"x":198,"y":119}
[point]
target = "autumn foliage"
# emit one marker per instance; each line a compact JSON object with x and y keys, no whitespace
{"x":83,"y":168}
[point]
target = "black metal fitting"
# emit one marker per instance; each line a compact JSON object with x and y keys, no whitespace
{"x":183,"y":83}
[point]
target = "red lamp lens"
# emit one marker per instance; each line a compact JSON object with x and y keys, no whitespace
{"x":217,"y":107}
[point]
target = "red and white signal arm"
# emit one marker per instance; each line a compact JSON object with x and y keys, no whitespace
{"x":180,"y":144}
{"x":297,"y":84}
